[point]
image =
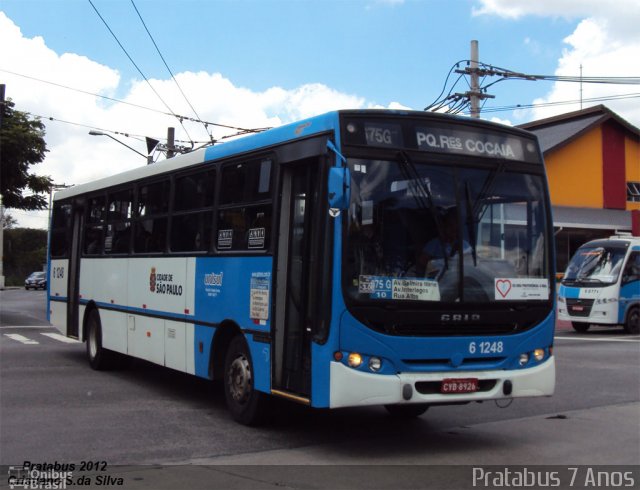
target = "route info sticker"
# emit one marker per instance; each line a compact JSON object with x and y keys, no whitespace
{"x":521,"y":289}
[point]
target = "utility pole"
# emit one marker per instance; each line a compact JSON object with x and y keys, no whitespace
{"x":475,"y":95}
{"x":171,"y":149}
{"x":2,"y":88}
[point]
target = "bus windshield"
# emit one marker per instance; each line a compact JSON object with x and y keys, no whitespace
{"x":595,"y":265}
{"x":445,"y":233}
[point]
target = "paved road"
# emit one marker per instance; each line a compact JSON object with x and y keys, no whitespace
{"x":53,"y":407}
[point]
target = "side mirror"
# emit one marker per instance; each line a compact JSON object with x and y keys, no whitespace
{"x":339,"y":187}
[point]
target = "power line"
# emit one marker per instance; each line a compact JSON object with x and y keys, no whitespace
{"x":169,"y":69}
{"x":138,"y":68}
{"x":561,"y":102}
{"x":186,"y":118}
{"x":456,"y":103}
{"x":138,"y":137}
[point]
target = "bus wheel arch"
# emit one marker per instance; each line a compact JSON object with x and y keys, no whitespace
{"x":632,"y":325}
{"x":87,"y":311}
{"x":246,"y":405}
{"x":225,"y":333}
{"x":99,"y":358}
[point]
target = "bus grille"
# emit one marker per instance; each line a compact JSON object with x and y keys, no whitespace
{"x":422,"y":329}
{"x":579,"y":307}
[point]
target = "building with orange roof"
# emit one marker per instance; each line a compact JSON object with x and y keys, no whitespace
{"x":592,"y":158}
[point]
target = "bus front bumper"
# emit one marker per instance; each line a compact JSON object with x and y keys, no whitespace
{"x":351,"y":388}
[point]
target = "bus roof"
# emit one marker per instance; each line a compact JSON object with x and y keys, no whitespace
{"x":290,"y":132}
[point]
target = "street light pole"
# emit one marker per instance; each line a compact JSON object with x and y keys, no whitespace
{"x":149,"y":158}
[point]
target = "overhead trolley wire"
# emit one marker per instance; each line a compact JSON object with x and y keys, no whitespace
{"x":169,"y":70}
{"x":138,"y":106}
{"x":138,"y":68}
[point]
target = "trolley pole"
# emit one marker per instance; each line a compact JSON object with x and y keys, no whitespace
{"x":171,"y":149}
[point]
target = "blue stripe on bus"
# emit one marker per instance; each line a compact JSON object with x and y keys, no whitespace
{"x":569,"y":292}
{"x":289,"y":132}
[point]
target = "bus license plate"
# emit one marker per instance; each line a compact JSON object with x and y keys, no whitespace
{"x":462,"y":385}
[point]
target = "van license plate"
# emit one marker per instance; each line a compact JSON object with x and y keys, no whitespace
{"x":461,"y":385}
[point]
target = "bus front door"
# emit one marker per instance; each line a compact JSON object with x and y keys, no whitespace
{"x":296,"y":279}
{"x":73,"y":291}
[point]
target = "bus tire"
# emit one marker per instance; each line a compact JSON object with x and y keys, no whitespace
{"x":99,"y":358}
{"x":247,"y":406}
{"x":632,"y":325}
{"x":580,"y":327}
{"x":407,"y":411}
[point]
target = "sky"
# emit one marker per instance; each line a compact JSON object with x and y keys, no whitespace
{"x":264,"y":63}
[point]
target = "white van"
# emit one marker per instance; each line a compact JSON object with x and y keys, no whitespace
{"x":602,"y":285}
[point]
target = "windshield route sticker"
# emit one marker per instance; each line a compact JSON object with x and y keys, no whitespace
{"x":380,"y":287}
{"x":521,"y":289}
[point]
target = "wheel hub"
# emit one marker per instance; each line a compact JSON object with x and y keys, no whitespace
{"x":240,"y":379}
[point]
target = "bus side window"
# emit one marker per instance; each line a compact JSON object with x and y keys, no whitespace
{"x":192,"y":217}
{"x":60,"y":229}
{"x":94,"y":226}
{"x":244,"y":215}
{"x":632,"y":269}
{"x":118,"y":232}
{"x":152,"y":217}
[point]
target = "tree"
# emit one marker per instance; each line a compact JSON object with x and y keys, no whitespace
{"x":8,"y":222}
{"x":25,"y":251}
{"x":22,"y":145}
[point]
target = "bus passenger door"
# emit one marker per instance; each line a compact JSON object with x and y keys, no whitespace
{"x":296,"y":277}
{"x":73,"y":291}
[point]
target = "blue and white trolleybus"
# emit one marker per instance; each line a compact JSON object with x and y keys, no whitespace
{"x":360,"y":257}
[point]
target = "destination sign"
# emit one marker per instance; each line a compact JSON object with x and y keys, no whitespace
{"x":385,"y":135}
{"x":444,"y":138}
{"x":451,"y":140}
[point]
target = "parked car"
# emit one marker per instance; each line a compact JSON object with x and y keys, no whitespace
{"x":36,"y":280}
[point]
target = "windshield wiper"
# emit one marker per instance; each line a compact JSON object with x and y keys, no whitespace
{"x":487,"y":188}
{"x":471,"y":222}
{"x":423,"y":198}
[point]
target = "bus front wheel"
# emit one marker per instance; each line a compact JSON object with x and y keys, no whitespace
{"x":407,"y":411}
{"x":632,"y":325}
{"x":99,"y":357}
{"x":246,"y":405}
{"x":580,"y":327}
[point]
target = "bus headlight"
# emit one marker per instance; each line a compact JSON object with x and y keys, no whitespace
{"x":524,"y":359}
{"x":375,"y":364}
{"x":538,"y":355}
{"x":354,"y":360}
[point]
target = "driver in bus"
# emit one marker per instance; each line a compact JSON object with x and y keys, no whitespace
{"x":446,"y":245}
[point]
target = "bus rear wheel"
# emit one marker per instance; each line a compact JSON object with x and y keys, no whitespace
{"x":632,"y":325}
{"x":99,"y":357}
{"x":246,"y":405}
{"x":580,"y":327}
{"x":407,"y":411}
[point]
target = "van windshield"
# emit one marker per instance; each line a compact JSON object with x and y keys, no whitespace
{"x":595,"y":265}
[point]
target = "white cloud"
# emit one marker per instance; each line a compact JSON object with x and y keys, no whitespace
{"x":74,"y":157}
{"x":606,"y":43}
